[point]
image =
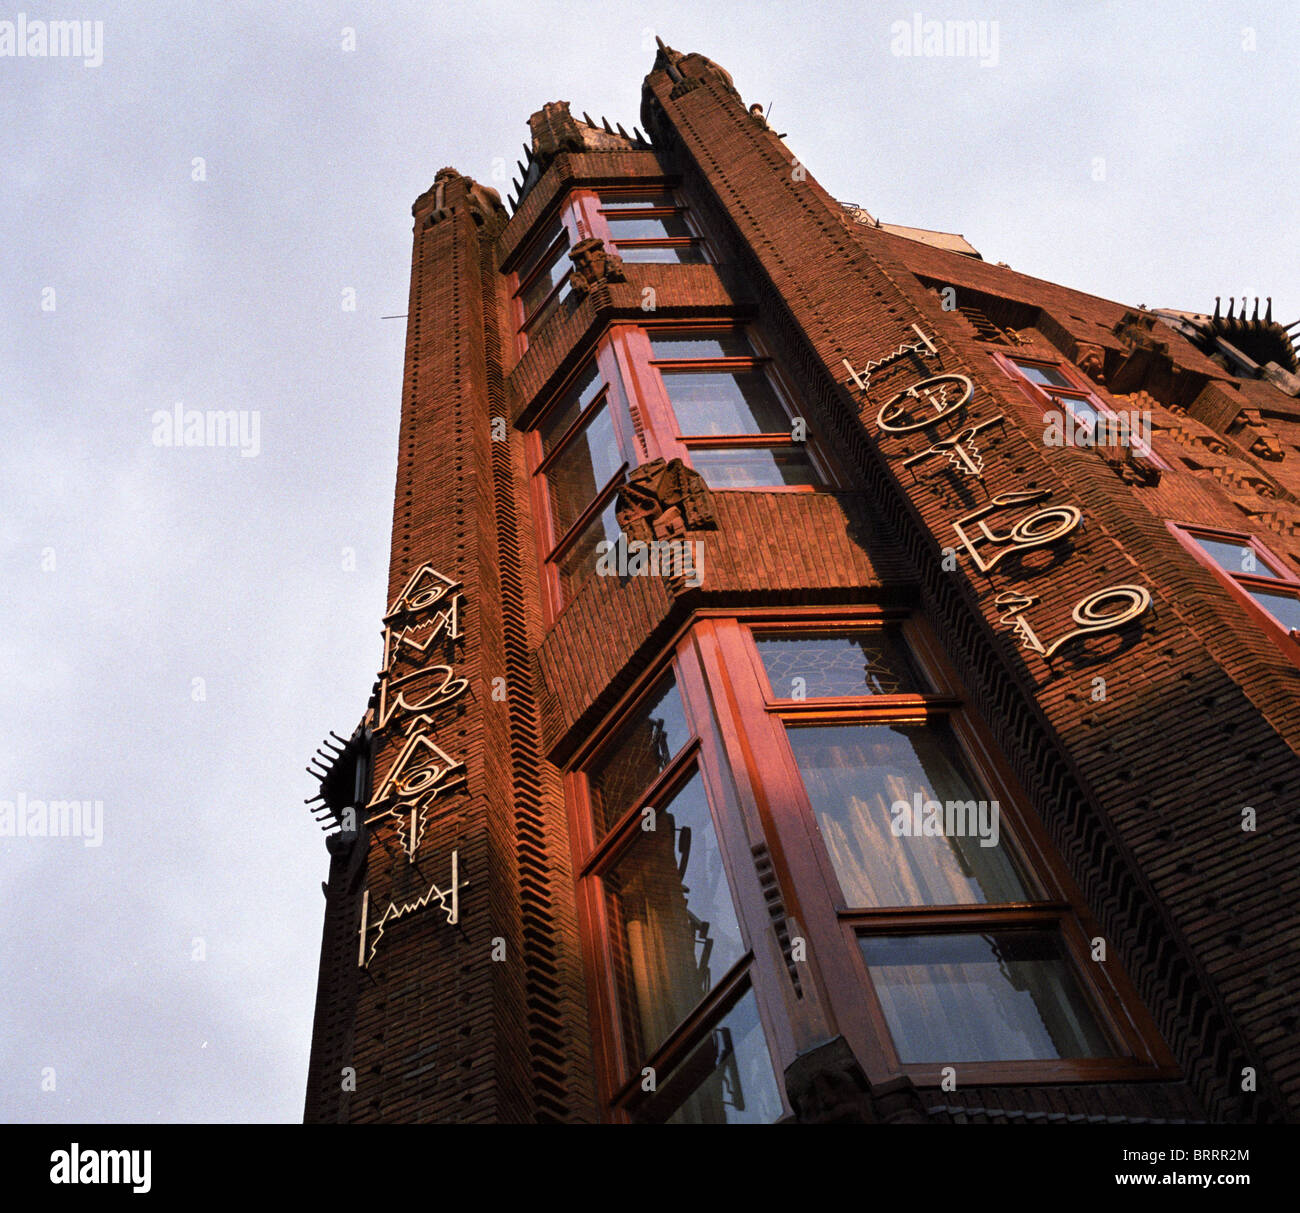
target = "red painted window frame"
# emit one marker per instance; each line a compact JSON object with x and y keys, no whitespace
{"x":1240,"y":583}
{"x":550,"y":545}
{"x":1042,"y":395}
{"x":580,"y":216}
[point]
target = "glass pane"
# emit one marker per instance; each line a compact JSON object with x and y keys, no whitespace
{"x":816,"y":665}
{"x":672,"y":923}
{"x":1001,"y":996}
{"x":612,"y":202}
{"x":1048,"y":376}
{"x":541,"y":249}
{"x":675,"y":254}
{"x":903,"y":823}
{"x":1285,"y":608}
{"x":584,"y":466}
{"x":553,"y":269}
{"x":725,"y":343}
{"x":1234,"y":556}
{"x":754,"y":467}
{"x":578,"y":561}
{"x":724,"y":402}
{"x":553,"y":304}
{"x":565,"y":413}
{"x":732,"y":1070}
{"x":647,"y":227}
{"x":636,"y":756}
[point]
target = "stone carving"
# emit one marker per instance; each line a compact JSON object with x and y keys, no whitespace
{"x":1258,"y":438}
{"x":664,"y":500}
{"x":1091,"y":360}
{"x":593,"y":264}
{"x":1138,"y":471}
{"x":827,"y":1086}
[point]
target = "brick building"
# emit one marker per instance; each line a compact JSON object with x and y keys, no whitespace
{"x":826,"y":676}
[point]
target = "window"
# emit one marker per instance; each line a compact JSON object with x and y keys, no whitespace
{"x":675,"y":986}
{"x":703,"y":395}
{"x":935,"y":884}
{"x":1085,"y":419}
{"x":650,"y":226}
{"x":999,"y":996}
{"x":748,"y":798}
{"x":720,"y":408}
{"x":542,"y":277}
{"x":1252,"y":571}
{"x":580,"y":450}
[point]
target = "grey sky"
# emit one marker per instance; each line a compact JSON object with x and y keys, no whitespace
{"x":178,"y":564}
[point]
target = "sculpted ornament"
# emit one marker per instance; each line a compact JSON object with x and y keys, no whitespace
{"x":922,"y":348}
{"x":448,"y":901}
{"x":1033,"y":530}
{"x":947,"y":395}
{"x":1130,"y":601}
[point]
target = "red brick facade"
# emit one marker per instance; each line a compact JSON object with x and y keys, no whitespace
{"x":1138,"y":791}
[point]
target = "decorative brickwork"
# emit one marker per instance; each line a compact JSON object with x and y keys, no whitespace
{"x":1137,"y":747}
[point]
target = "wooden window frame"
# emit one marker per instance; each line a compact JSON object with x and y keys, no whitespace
{"x":646,"y":429}
{"x":572,"y":213}
{"x":580,"y":215}
{"x":1241,"y":583}
{"x":1045,"y":396}
{"x":756,"y":795}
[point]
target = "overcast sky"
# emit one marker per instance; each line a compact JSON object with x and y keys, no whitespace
{"x":132,"y":569}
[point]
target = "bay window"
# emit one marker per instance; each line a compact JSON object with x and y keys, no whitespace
{"x":542,"y":276}
{"x":923,"y":896}
{"x":670,"y":958}
{"x":705,"y":395}
{"x":721,"y":408}
{"x":580,"y":452}
{"x":647,"y":225}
